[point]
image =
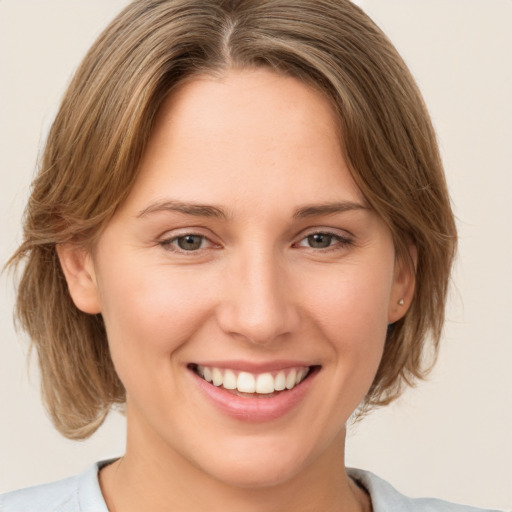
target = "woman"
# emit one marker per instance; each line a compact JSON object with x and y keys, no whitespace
{"x":243,"y":225}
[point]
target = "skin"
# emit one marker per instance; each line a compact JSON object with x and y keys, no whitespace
{"x":259,"y":147}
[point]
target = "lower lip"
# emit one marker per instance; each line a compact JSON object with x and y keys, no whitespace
{"x":255,"y":409}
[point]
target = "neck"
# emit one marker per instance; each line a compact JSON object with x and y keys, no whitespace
{"x":159,"y":479}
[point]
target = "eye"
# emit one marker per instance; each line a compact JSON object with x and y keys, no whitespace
{"x":188,"y":242}
{"x":323,"y":240}
{"x":320,"y":240}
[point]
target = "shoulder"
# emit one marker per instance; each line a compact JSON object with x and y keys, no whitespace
{"x":385,"y":497}
{"x":80,"y":493}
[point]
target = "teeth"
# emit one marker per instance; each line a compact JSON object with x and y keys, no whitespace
{"x":280,"y":382}
{"x":245,"y":382}
{"x":265,"y":383}
{"x":207,"y":374}
{"x":217,"y":377}
{"x":291,"y":379}
{"x":229,"y":380}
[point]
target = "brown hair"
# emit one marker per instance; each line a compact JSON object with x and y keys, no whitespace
{"x":96,"y":142}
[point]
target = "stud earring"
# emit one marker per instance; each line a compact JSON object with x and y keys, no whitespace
{"x":401,"y":302}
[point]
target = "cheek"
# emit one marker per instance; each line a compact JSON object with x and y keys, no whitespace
{"x":356,"y":326}
{"x":351,"y":303}
{"x":151,"y":313}
{"x":351,"y":312}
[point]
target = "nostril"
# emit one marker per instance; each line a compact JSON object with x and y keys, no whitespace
{"x":260,"y":312}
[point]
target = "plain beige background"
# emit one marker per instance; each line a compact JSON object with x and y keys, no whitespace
{"x":451,"y":437}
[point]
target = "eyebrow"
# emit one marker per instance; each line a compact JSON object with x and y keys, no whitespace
{"x":206,"y":210}
{"x":198,"y":210}
{"x":316,"y":210}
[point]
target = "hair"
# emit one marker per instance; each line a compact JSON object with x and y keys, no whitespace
{"x":92,"y":155}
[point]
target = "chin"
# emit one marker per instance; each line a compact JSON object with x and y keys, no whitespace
{"x":250,"y":474}
{"x":259,"y":461}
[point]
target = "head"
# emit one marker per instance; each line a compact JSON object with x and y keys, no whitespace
{"x":97,"y":144}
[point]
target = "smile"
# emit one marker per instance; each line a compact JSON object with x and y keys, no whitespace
{"x":251,"y":394}
{"x":258,"y":384}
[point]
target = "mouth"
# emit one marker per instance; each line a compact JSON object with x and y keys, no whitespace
{"x":254,"y":385}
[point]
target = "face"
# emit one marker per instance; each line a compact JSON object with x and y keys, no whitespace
{"x":245,"y":284}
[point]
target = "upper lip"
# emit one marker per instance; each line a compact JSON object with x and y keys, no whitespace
{"x":254,"y":367}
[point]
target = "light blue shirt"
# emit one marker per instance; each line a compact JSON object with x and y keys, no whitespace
{"x":82,"y":493}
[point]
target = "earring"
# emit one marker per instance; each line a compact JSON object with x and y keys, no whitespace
{"x":401,"y":302}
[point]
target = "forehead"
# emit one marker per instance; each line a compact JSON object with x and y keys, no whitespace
{"x":265,"y":94}
{"x":243,"y":134}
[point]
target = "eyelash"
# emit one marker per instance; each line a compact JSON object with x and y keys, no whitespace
{"x":170,"y":244}
{"x":340,"y":242}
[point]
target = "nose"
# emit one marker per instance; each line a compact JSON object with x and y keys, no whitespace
{"x":258,"y":302}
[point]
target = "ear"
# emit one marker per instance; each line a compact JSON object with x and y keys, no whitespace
{"x":404,"y":281}
{"x":78,"y":268}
